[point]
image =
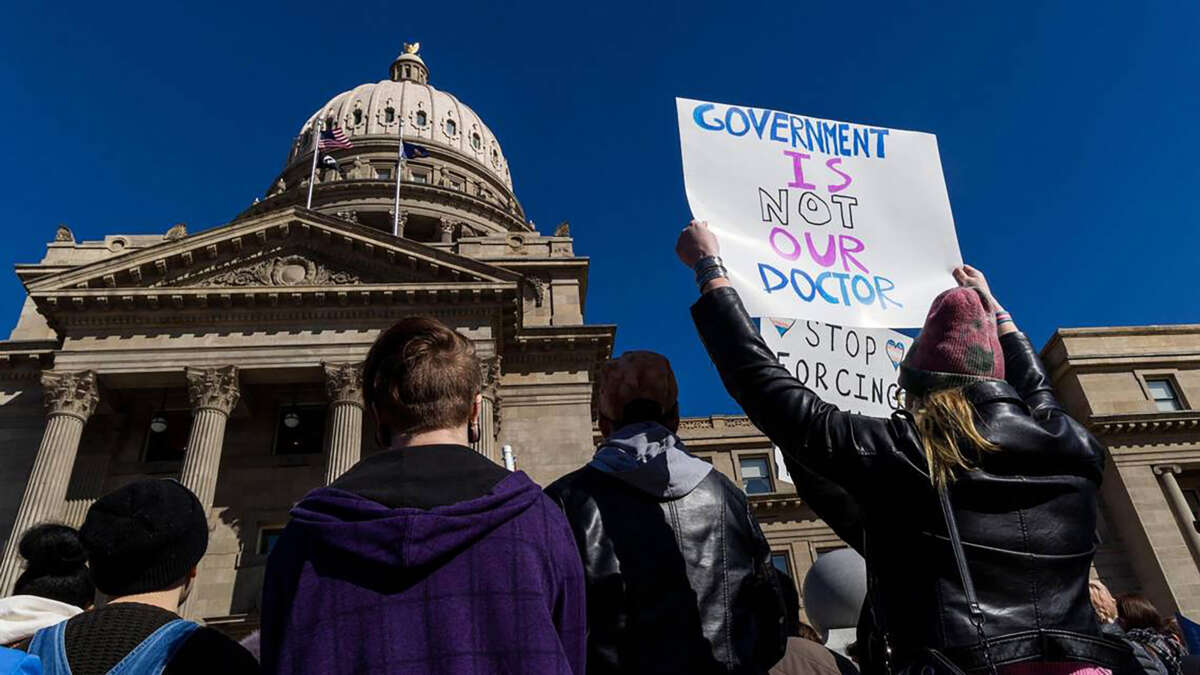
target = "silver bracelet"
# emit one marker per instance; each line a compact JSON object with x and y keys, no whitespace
{"x":709,"y":274}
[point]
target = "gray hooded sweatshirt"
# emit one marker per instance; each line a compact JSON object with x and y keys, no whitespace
{"x":652,"y":459}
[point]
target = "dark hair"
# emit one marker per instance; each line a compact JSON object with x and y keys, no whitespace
{"x":809,"y":633}
{"x":645,"y":410}
{"x":56,"y":566}
{"x":1135,"y":611}
{"x":420,"y":376}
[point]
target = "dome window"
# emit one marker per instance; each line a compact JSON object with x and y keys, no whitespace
{"x":422,"y":118}
{"x":495,"y":156}
{"x":451,"y":128}
{"x":476,"y":141}
{"x":389,"y":115}
{"x":357,"y":117}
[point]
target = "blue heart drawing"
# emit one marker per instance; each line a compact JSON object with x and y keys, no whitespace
{"x":895,"y":353}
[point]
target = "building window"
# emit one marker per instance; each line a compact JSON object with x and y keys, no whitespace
{"x":756,"y":474}
{"x":1162,"y":392}
{"x":383,"y":173}
{"x":451,"y":128}
{"x":389,"y":115}
{"x":170,"y":444}
{"x":420,"y":177}
{"x":476,"y":141}
{"x":422,"y":118}
{"x":300,"y":430}
{"x":357,"y":117}
{"x":782,"y":562}
{"x":267,"y":537}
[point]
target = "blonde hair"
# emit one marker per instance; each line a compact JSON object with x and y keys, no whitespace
{"x":945,"y":420}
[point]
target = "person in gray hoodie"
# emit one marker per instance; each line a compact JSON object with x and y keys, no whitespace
{"x":677,"y":570}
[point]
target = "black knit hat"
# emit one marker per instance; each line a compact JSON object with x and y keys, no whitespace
{"x":144,"y":536}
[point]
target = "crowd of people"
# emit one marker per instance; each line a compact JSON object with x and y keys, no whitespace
{"x":969,"y":515}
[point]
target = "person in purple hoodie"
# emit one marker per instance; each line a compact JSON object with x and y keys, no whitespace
{"x":425,"y":557}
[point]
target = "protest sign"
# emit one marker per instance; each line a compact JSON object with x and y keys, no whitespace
{"x":831,"y":221}
{"x":853,"y":368}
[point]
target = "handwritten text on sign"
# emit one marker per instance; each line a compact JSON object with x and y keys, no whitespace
{"x":830,"y":221}
{"x":853,"y":368}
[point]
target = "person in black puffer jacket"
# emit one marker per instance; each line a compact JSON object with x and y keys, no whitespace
{"x":982,"y":422}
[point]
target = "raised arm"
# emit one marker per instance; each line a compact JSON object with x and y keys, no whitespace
{"x":809,"y":431}
{"x":1023,"y":368}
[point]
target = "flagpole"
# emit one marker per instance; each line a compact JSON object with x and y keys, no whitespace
{"x":399,"y":177}
{"x":312,"y":174}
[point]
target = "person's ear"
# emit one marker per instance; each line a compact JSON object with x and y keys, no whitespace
{"x":476,"y":407}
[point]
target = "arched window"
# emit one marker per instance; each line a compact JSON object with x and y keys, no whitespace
{"x":389,"y":115}
{"x":328,"y":122}
{"x":476,"y":141}
{"x":495,"y":156}
{"x":451,"y":128}
{"x":422,"y":118}
{"x":357,"y":117}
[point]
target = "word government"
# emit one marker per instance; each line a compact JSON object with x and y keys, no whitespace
{"x":832,"y":138}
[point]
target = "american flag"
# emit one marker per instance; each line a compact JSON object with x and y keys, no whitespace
{"x":334,"y":138}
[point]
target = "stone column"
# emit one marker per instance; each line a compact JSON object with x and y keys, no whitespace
{"x":213,"y":393}
{"x":486,"y":446}
{"x":447,"y":228}
{"x":400,"y":222}
{"x":1179,"y":507}
{"x":343,"y":439}
{"x":70,"y":399}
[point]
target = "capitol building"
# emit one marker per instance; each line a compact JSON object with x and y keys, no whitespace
{"x":231,"y":358}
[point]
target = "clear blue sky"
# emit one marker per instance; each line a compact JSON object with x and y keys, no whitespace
{"x":1068,"y":131}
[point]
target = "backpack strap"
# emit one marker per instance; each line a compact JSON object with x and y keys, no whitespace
{"x":49,"y":645}
{"x":153,"y":653}
{"x":964,"y":574}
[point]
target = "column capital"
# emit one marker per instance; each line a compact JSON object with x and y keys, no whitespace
{"x":215,"y":388}
{"x":343,"y":382}
{"x":1167,"y":468}
{"x":70,"y":393}
{"x":489,"y":372}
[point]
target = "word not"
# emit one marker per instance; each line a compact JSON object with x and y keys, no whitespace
{"x":811,"y":208}
{"x":831,"y":138}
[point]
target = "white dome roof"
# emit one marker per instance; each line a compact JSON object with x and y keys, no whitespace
{"x":447,"y":122}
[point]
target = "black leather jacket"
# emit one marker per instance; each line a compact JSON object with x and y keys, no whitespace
{"x":1027,"y":514}
{"x":673,"y":586}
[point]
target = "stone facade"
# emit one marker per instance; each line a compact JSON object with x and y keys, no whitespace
{"x":1109,"y":379}
{"x":231,"y":358}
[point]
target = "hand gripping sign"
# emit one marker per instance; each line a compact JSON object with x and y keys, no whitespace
{"x":830,"y":221}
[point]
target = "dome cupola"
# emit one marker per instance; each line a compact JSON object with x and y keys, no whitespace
{"x":409,"y":67}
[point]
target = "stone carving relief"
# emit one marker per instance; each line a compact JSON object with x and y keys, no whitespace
{"x":280,"y":186}
{"x":343,"y":382}
{"x":64,"y":234}
{"x":291,"y":270}
{"x":361,"y":170}
{"x":351,"y":216}
{"x":537,"y":286}
{"x":70,"y":393}
{"x":177,"y":231}
{"x":215,"y":388}
{"x":563,"y":229}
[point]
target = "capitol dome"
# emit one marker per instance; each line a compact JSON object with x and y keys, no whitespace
{"x":454,"y":184}
{"x":429,"y":116}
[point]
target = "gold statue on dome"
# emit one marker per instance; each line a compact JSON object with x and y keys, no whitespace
{"x":412,"y":47}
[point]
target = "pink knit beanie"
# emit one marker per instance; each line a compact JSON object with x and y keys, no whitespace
{"x":957,"y":346}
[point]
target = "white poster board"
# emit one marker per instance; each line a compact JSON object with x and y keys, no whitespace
{"x":831,"y":221}
{"x":853,"y":368}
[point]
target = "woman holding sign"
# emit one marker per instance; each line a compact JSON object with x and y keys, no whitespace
{"x":979,"y":499}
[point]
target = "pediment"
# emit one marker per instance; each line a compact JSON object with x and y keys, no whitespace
{"x":294,"y":249}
